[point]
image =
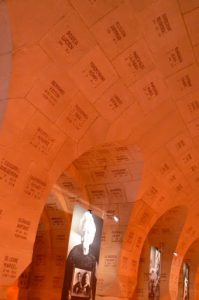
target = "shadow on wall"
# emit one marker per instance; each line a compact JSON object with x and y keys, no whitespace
{"x":43,"y":278}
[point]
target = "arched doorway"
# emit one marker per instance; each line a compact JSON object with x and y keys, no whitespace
{"x":189,"y":273}
{"x":157,"y":255}
{"x":105,"y":179}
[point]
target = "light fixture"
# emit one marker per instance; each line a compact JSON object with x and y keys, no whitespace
{"x":116,"y":219}
{"x":175,"y":253}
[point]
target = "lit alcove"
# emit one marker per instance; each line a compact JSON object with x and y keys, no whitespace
{"x":157,"y":255}
{"x":188,"y":282}
{"x":105,"y":180}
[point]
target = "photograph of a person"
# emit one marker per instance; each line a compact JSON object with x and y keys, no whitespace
{"x":77,"y":286}
{"x":154,"y":274}
{"x":83,"y":256}
{"x":86,"y":284}
{"x":185,"y":282}
{"x":81,"y":283}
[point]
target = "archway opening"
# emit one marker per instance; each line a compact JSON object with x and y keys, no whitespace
{"x":157,"y":255}
{"x":188,"y":282}
{"x":106,"y":180}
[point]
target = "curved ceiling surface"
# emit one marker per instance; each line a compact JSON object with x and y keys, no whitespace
{"x":102,"y":108}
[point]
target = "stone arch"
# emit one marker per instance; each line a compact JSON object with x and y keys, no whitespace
{"x":188,"y":236}
{"x":191,"y":259}
{"x":73,"y":186}
{"x":91,"y":181}
{"x":186,"y":245}
{"x":143,"y":218}
{"x":163,"y":236}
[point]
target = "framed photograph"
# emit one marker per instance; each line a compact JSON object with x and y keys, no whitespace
{"x":81,"y":283}
{"x":82,"y":256}
{"x":154,"y":274}
{"x":185,"y":281}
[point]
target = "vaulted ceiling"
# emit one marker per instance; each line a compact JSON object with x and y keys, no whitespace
{"x":99,"y":106}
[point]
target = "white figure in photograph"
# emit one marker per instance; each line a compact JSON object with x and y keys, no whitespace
{"x":154,"y":277}
{"x":186,"y":284}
